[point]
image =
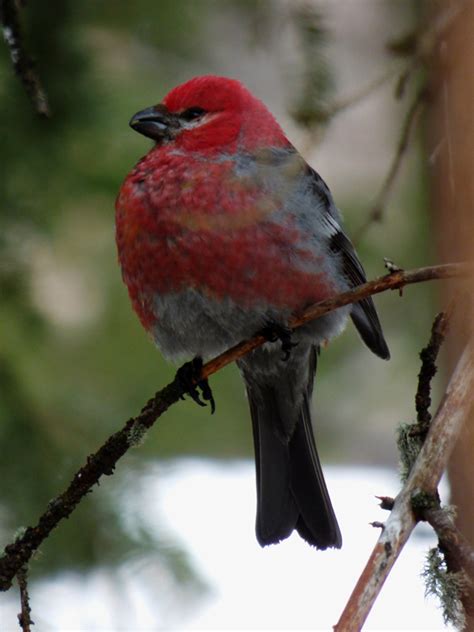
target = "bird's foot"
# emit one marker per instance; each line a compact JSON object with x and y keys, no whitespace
{"x":274,"y":332}
{"x":189,"y":377}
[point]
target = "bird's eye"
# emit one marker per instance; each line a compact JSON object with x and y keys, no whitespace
{"x":191,"y":114}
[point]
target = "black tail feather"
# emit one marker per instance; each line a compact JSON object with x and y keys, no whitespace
{"x":276,"y":509}
{"x":317,"y":522}
{"x":291,"y":491}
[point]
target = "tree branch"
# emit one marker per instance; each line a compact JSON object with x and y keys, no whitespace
{"x":378,"y":208}
{"x":458,"y":553}
{"x":393,"y":281}
{"x":103,"y":462}
{"x":419,"y":45}
{"x":429,"y":369}
{"x":424,"y":478}
{"x":22,"y":63}
{"x":24,"y":618}
{"x":412,"y":436}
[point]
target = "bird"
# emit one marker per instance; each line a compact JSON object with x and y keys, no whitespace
{"x":223,"y":230}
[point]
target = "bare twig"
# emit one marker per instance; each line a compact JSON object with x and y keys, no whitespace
{"x":378,"y":208}
{"x":417,"y":45}
{"x":105,"y":459}
{"x":428,"y":369}
{"x":412,"y":436}
{"x":24,"y":618}
{"x":342,"y":104}
{"x":424,"y":478}
{"x":323,"y":114}
{"x":21,"y":61}
{"x":386,"y":502}
{"x":393,"y":281}
{"x":420,"y":44}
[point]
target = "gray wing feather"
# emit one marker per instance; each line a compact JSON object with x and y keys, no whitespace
{"x":363,"y":314}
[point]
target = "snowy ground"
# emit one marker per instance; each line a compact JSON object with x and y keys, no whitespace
{"x":209,"y":508}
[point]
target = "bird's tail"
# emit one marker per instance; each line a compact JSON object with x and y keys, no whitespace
{"x":291,"y":491}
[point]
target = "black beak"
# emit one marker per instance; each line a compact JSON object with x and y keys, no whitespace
{"x":156,"y":122}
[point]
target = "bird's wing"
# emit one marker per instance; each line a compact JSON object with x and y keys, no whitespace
{"x":363,"y":314}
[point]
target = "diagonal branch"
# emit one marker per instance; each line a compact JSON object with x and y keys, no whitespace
{"x":409,"y":124}
{"x":424,"y":478}
{"x":103,"y":462}
{"x":22,"y":63}
{"x":457,"y":552}
{"x":394,"y":281}
{"x":428,"y":370}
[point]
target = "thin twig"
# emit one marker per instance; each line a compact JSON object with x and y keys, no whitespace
{"x":22,"y":63}
{"x":342,"y":104}
{"x":324,"y":114}
{"x":425,"y":475}
{"x":393,"y":281}
{"x":24,"y":618}
{"x":421,"y":43}
{"x":428,"y":369}
{"x":378,"y":209}
{"x":105,"y":459}
{"x":418,"y":45}
{"x":412,"y":436}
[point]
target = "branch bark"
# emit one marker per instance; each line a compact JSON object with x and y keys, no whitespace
{"x":424,"y":478}
{"x":393,"y":281}
{"x":103,"y":462}
{"x":22,"y":63}
{"x":24,"y":618}
{"x":458,"y":553}
{"x":378,"y":208}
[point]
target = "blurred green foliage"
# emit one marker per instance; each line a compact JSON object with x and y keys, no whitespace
{"x":74,"y":361}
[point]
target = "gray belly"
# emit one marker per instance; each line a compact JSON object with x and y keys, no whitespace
{"x":190,"y":324}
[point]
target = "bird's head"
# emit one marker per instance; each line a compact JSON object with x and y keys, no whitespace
{"x":210,"y":113}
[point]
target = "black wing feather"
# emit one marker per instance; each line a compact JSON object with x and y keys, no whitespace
{"x":363,"y":314}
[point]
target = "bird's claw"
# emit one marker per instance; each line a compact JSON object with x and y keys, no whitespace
{"x":189,"y":377}
{"x":274,"y":332}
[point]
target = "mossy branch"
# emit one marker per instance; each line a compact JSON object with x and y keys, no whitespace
{"x":418,"y":498}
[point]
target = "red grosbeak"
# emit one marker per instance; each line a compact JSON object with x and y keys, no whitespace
{"x":224,"y":230}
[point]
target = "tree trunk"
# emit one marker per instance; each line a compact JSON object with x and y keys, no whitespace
{"x":451,"y":153}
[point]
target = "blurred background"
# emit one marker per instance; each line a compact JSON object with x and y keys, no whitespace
{"x":341,"y":76}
